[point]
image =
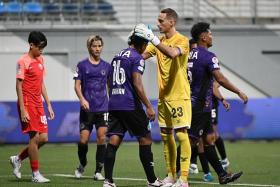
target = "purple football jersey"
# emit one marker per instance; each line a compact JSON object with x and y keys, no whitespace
{"x":94,"y":83}
{"x":201,"y":63}
{"x":122,"y":95}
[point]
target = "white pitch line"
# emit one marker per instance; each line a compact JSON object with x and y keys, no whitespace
{"x":194,"y":182}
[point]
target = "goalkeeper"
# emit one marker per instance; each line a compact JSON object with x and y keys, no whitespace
{"x":174,"y":104}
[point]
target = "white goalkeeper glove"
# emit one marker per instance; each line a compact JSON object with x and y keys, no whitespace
{"x":144,"y":32}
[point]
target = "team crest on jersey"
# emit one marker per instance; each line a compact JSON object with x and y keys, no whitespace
{"x":103,"y":72}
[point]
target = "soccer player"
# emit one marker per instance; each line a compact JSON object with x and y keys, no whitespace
{"x":91,"y":88}
{"x":203,"y":67}
{"x":174,"y":104}
{"x":30,"y":88}
{"x":199,"y":150}
{"x":126,"y":96}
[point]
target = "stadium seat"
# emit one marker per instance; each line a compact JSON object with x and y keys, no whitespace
{"x":89,"y":11}
{"x":70,"y":11}
{"x":32,"y":10}
{"x":105,"y":8}
{"x":52,"y":11}
{"x":3,"y":10}
{"x":106,"y":11}
{"x":14,"y":10}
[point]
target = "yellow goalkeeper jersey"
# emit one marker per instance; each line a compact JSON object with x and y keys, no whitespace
{"x":172,"y":73}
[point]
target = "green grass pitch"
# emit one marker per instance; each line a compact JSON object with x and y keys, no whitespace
{"x":260,"y":162}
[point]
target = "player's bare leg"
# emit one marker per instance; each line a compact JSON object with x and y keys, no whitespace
{"x":36,"y":139}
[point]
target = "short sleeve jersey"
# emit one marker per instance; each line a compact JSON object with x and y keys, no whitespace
{"x":122,"y":94}
{"x":93,"y":79}
{"x":172,"y":80}
{"x":31,"y":71}
{"x":201,"y":64}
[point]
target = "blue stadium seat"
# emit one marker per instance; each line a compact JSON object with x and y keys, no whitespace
{"x":14,"y":10}
{"x":32,"y":8}
{"x":14,"y":7}
{"x":105,"y":8}
{"x":70,"y":11}
{"x":89,"y":8}
{"x":52,"y":11}
{"x":3,"y":9}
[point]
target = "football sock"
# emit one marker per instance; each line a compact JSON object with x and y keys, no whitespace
{"x":185,"y":157}
{"x":169,"y":151}
{"x":24,"y":154}
{"x":212,"y":157}
{"x":204,"y":162}
{"x":221,"y":147}
{"x":99,"y":157}
{"x":110,"y":157}
{"x":34,"y":165}
{"x":194,"y":154}
{"x":82,"y":153}
{"x":178,"y":168}
{"x":146,"y":157}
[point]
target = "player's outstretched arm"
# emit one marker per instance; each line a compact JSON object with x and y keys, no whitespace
{"x":218,"y":94}
{"x":46,"y":98}
{"x":137,"y":82}
{"x":223,"y":81}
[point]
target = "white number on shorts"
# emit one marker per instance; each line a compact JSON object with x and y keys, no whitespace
{"x":43,"y":119}
{"x":213,"y":113}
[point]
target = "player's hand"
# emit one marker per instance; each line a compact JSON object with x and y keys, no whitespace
{"x":151,"y":113}
{"x":226,"y":104}
{"x":243,"y":96}
{"x":85,"y":105}
{"x":24,"y":116}
{"x":144,"y":32}
{"x":51,"y":113}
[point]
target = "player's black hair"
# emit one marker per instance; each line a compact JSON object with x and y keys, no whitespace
{"x":137,"y":42}
{"x":192,"y":41}
{"x":37,"y":38}
{"x":170,"y":13}
{"x":198,"y":29}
